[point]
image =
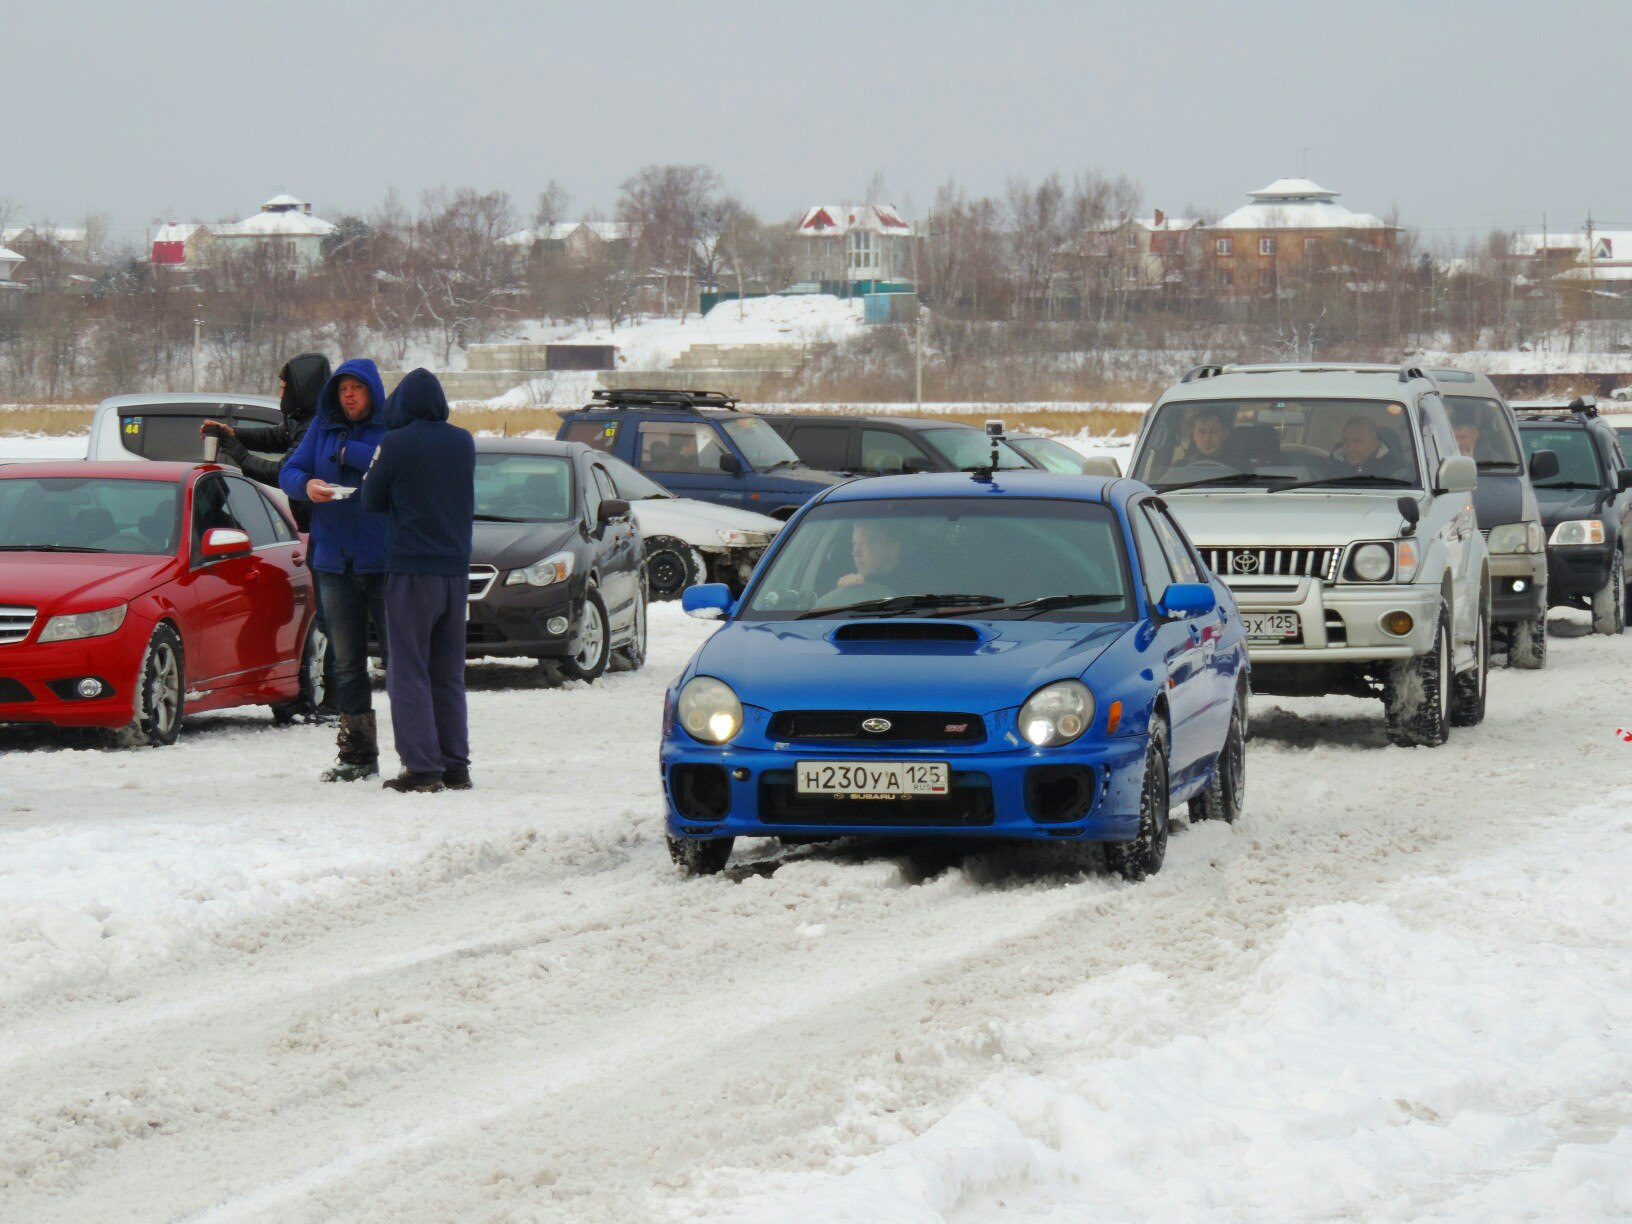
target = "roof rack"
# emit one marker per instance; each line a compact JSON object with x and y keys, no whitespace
{"x":1406,"y":372}
{"x":1580,"y":406}
{"x":1202,"y":371}
{"x":661,"y":397}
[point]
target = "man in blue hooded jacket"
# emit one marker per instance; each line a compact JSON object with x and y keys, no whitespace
{"x":423,"y":483}
{"x":348,"y":547}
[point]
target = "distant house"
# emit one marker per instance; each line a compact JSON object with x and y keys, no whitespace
{"x":284,"y":225}
{"x":1158,"y":253}
{"x":9,"y":260}
{"x":577,"y":241}
{"x":1292,"y":229}
{"x":179,"y":244}
{"x":72,"y":240}
{"x":855,"y":248}
{"x":1605,"y":258}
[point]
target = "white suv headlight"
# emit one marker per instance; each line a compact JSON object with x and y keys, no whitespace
{"x":74,"y":625}
{"x":1578,"y":531}
{"x":557,"y":568}
{"x":1057,"y":713}
{"x":1516,"y":538}
{"x":1372,"y":562}
{"x":709,"y":710}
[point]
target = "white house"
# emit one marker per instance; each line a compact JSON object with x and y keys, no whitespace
{"x":9,"y":260}
{"x":855,"y":245}
{"x":283,"y":221}
{"x":577,"y":240}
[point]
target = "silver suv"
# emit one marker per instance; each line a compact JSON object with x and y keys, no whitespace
{"x":1334,"y":501}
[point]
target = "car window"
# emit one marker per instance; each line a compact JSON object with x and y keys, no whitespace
{"x":679,"y":446}
{"x":94,"y":513}
{"x":1054,"y":456}
{"x":249,"y":508}
{"x":822,"y":446}
{"x":592,"y":497}
{"x":170,"y":432}
{"x":966,"y":448}
{"x":1174,"y":549}
{"x":211,"y":507}
{"x":629,"y":483}
{"x":882,"y":452}
{"x":599,"y":434}
{"x":1484,"y":432}
{"x":281,"y":526}
{"x":603,"y":482}
{"x":760,"y":445}
{"x":1158,"y":574}
{"x":1577,"y":460}
{"x":528,"y":488}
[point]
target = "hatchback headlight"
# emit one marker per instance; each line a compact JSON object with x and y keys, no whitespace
{"x":1516,"y":538}
{"x":547,"y":572}
{"x":1057,"y":713}
{"x":75,"y":625}
{"x":1578,"y":531}
{"x":709,"y":710}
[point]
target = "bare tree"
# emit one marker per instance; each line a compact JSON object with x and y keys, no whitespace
{"x":665,"y":208}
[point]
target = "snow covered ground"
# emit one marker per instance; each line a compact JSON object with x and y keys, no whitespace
{"x":1399,"y":989}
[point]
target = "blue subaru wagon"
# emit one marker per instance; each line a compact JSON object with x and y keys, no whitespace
{"x":1017,"y":654}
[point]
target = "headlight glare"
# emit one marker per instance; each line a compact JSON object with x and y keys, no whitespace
{"x":1578,"y":531}
{"x":552,"y":569}
{"x":1057,"y":713}
{"x":74,"y":625}
{"x":1373,"y":562}
{"x":709,"y":710}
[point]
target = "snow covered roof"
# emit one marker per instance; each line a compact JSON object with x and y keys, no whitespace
{"x":1611,"y":245}
{"x":607,"y":231}
{"x":1166,"y":223}
{"x":1296,"y":203}
{"x":9,"y":256}
{"x":60,"y":233}
{"x":176,"y":231}
{"x":282,"y":201}
{"x":833,"y":220}
{"x":290,"y":224}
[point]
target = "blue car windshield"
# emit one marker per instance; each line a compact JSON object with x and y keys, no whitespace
{"x":984,"y":553}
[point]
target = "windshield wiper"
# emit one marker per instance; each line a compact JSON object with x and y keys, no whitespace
{"x":500,"y":518}
{"x":1570,"y":484}
{"x":1492,"y":465}
{"x":51,"y":548}
{"x":794,"y":462}
{"x":1225,"y":478}
{"x":1392,"y":482}
{"x":895,"y":604}
{"x":1043,"y":603}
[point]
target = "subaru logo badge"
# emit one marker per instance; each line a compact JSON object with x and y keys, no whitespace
{"x":875,"y":725}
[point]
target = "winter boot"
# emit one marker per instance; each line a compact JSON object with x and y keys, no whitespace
{"x":408,"y":780}
{"x":457,"y":778}
{"x":358,"y":749}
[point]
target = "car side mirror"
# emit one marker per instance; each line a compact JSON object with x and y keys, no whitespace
{"x":1183,"y":599}
{"x":709,"y":601}
{"x":612,"y":508}
{"x":222,"y":542}
{"x":730,"y":464}
{"x":1410,"y":512}
{"x":1623,"y":479}
{"x":1543,"y":465}
{"x":1458,"y":474}
{"x":1101,"y":465}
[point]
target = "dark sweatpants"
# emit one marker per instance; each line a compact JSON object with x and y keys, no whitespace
{"x":425,"y":622}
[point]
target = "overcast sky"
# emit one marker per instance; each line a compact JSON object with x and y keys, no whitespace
{"x":1463,"y":116}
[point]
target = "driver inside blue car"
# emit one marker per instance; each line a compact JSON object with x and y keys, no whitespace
{"x":877,"y":554}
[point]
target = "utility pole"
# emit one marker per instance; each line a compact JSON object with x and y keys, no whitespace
{"x":198,"y":350}
{"x":918,"y":323}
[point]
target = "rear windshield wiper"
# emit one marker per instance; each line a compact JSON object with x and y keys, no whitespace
{"x":50,"y":548}
{"x":1226,"y":478}
{"x":1043,"y":603}
{"x":896,"y":604}
{"x":1393,"y":482}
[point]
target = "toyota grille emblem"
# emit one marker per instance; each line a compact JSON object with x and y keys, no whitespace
{"x":1244,"y":563}
{"x":876,"y":725}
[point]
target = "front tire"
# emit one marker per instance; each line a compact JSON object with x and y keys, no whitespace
{"x":1468,"y":689}
{"x":631,"y":656}
{"x":591,"y":649}
{"x":1226,"y":794}
{"x":160,"y":693}
{"x":671,"y":566}
{"x":1141,"y":857}
{"x":1609,"y":604}
{"x":1527,"y":647}
{"x":1417,"y":696}
{"x":701,"y":857}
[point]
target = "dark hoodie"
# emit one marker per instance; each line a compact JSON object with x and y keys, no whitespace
{"x":423,"y":480}
{"x":338,"y":452}
{"x":303,"y":379}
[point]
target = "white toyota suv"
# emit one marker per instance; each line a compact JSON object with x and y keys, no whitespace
{"x":1334,"y":502}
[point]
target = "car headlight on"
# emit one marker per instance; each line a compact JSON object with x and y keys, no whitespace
{"x":743,"y":539}
{"x":709,"y":710}
{"x":1515,"y":538}
{"x":553,"y":569}
{"x":1578,"y":531}
{"x":1057,"y":713}
{"x":74,"y":625}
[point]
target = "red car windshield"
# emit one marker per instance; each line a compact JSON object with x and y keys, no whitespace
{"x":88,"y":514}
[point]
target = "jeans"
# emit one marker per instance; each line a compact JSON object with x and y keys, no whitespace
{"x":350,"y":601}
{"x":426,"y":679}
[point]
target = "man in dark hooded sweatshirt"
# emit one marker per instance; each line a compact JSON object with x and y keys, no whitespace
{"x":423,"y":481}
{"x":302,"y":379}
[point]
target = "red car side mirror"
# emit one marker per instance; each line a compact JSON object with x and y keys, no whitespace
{"x":219,"y":542}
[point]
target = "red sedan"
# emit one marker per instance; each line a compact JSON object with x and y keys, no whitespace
{"x":132,"y":593}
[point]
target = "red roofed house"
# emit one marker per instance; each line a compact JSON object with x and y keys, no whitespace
{"x":177,"y":244}
{"x":855,"y":249}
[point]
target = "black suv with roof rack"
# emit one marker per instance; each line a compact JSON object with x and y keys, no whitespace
{"x":698,"y":444}
{"x":1586,"y":507}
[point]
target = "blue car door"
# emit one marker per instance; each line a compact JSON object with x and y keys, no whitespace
{"x":1181,"y":655}
{"x":1219,"y":665}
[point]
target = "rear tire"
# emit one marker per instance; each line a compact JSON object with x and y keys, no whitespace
{"x":1469,"y":688}
{"x":1609,"y":604}
{"x":1226,"y":794}
{"x":1527,"y":647}
{"x":701,"y":857}
{"x":1417,"y":695}
{"x":161,"y":693}
{"x":313,"y":684}
{"x":1141,"y":857}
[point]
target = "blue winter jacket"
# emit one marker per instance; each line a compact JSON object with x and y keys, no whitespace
{"x":423,"y":481}
{"x":338,"y":452}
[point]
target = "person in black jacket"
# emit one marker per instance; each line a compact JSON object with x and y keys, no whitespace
{"x":423,"y":480}
{"x":300,"y":382}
